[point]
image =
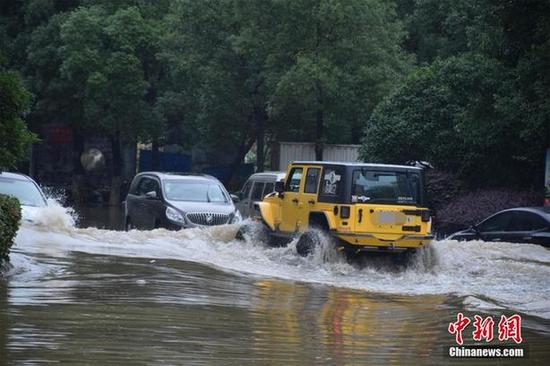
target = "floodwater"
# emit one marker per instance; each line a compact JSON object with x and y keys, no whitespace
{"x":97,"y":296}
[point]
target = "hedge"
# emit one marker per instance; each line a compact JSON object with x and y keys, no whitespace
{"x":10,"y":216}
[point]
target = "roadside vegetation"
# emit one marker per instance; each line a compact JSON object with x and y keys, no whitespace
{"x":463,"y":84}
{"x":10,"y":216}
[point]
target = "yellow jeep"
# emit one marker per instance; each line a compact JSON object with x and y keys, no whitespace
{"x":367,"y":207}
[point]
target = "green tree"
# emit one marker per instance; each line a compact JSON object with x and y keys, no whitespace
{"x":106,"y":55}
{"x":302,"y":70}
{"x":333,"y":62}
{"x":216,"y":87}
{"x":452,"y":113}
{"x":438,"y":28}
{"x":15,"y":138}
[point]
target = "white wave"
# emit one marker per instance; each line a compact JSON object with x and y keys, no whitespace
{"x":50,"y":217}
{"x":497,"y":275}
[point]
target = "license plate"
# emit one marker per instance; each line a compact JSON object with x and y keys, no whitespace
{"x":391,"y":218}
{"x":386,"y":217}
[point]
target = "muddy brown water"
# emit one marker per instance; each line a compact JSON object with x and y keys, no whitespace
{"x":102,"y":297}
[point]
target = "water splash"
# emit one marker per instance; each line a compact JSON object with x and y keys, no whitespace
{"x":484,"y":275}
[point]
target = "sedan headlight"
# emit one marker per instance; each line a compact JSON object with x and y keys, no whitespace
{"x":237,"y":217}
{"x":174,"y":215}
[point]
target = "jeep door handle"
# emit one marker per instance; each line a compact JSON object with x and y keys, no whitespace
{"x":295,"y":200}
{"x":312,"y":202}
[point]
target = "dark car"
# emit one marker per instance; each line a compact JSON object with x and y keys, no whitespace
{"x":175,"y":201}
{"x":517,"y":225}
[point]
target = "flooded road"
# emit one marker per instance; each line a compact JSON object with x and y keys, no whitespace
{"x":105,"y":297}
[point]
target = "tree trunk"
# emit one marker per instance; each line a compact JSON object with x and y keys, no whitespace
{"x":243,"y":149}
{"x":261,"y":118}
{"x":77,"y":185}
{"x":319,"y":138}
{"x":116,"y":170}
{"x":155,"y":155}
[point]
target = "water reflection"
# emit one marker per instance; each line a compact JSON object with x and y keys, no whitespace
{"x":110,"y":310}
{"x":3,"y":319}
{"x":343,"y":326}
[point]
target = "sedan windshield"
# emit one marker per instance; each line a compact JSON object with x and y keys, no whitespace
{"x":385,"y":187}
{"x":194,"y":191}
{"x":26,"y":192}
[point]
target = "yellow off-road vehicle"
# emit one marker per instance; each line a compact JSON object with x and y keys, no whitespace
{"x":366,"y":207}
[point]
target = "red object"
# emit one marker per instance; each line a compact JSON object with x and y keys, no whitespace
{"x":458,"y":326}
{"x":483,"y":328}
{"x":510,"y":328}
{"x":60,"y":135}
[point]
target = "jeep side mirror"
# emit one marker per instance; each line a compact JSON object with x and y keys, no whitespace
{"x":235,"y":198}
{"x":151,"y":195}
{"x":279,"y":186}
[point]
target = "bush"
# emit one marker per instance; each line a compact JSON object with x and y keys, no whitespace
{"x":470,"y":208}
{"x":442,"y":188}
{"x":10,"y":216}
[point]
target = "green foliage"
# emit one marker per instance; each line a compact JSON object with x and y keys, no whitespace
{"x":239,"y":66}
{"x":337,"y":58}
{"x":438,"y":28}
{"x":222,"y":74}
{"x":210,"y":83}
{"x":15,"y":138}
{"x":10,"y":216}
{"x":481,"y":108}
{"x":103,"y":54}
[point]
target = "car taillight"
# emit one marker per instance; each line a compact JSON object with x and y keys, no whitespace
{"x":344,"y":212}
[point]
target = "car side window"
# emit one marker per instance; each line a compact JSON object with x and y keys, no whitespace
{"x":147,"y":185}
{"x":257,"y":191}
{"x":293,"y":182}
{"x":527,"y":221}
{"x":499,"y":222}
{"x":142,"y":186}
{"x":134,"y":187}
{"x":312,"y":180}
{"x":331,"y":182}
{"x":246,"y":190}
{"x":155,"y":186}
{"x":269,"y":188}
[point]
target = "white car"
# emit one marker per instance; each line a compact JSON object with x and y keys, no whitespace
{"x":29,"y":194}
{"x":255,"y":189}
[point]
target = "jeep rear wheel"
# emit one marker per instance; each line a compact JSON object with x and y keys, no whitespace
{"x":307,"y":243}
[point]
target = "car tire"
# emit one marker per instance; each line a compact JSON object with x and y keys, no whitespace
{"x":306,"y":243}
{"x":243,"y":230}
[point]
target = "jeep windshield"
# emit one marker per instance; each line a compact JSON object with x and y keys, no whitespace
{"x":194,"y":191}
{"x":371,"y":186}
